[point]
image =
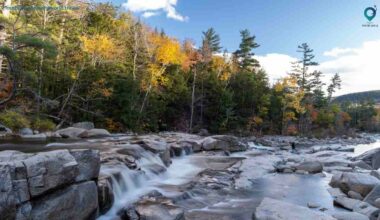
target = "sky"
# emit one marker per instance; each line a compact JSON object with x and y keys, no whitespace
{"x":333,"y":28}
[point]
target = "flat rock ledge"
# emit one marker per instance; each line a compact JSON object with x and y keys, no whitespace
{"x":49,"y":185}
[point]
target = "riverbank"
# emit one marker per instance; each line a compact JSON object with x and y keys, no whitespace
{"x":183,"y":176}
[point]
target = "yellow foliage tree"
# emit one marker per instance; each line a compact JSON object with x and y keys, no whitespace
{"x":291,"y":99}
{"x":100,"y":47}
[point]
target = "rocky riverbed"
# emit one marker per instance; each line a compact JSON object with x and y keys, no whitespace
{"x":182,"y":176}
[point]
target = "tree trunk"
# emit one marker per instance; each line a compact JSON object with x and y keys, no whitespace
{"x":193,"y":100}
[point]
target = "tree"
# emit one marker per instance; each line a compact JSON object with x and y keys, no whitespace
{"x":301,"y":67}
{"x":334,"y":85}
{"x":210,"y":44}
{"x":245,"y":55}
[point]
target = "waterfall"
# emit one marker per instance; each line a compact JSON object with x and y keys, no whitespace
{"x":129,"y":185}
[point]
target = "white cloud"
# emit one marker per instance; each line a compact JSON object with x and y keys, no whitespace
{"x":151,"y":8}
{"x":149,"y":14}
{"x":359,"y":67}
{"x":276,"y":65}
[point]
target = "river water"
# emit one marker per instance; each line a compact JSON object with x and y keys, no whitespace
{"x":129,"y":185}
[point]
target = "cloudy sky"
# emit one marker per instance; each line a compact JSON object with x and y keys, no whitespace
{"x":333,"y":28}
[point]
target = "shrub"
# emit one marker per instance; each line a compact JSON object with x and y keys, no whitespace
{"x":42,"y":124}
{"x":14,"y":120}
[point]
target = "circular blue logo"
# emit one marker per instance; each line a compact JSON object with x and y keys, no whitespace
{"x":370,"y":13}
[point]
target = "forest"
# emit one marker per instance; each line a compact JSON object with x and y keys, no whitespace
{"x":101,"y":64}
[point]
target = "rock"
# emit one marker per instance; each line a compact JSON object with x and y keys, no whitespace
{"x":7,"y":199}
{"x":4,"y":129}
{"x":275,"y":209}
{"x":349,"y":216}
{"x":25,"y":131}
{"x":310,"y":166}
{"x":367,"y":209}
{"x":105,"y":194}
{"x":79,"y":201}
{"x":84,"y":125}
{"x":375,"y":173}
{"x":360,"y":164}
{"x":157,"y":147}
{"x":355,"y":195}
{"x":88,"y":164}
{"x":153,"y":209}
{"x":94,"y":133}
{"x":224,"y":143}
{"x":70,"y":132}
{"x":313,"y":205}
{"x":345,"y":202}
{"x":49,"y":170}
{"x":357,"y":182}
{"x":336,"y":192}
{"x":203,"y":132}
{"x":37,"y":137}
{"x":372,"y":158}
{"x":373,"y":195}
{"x":377,"y":203}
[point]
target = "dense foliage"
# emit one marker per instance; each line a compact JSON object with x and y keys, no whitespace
{"x":101,"y":65}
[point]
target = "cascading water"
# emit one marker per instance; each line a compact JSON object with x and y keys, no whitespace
{"x":129,"y":185}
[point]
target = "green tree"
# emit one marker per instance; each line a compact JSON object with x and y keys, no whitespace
{"x":245,"y":55}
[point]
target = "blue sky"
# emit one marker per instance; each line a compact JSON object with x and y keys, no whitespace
{"x":333,"y":28}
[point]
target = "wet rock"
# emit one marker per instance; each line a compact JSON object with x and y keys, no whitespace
{"x":88,"y":164}
{"x":84,"y":125}
{"x":70,"y":132}
{"x":367,"y":209}
{"x":377,"y":203}
{"x":336,"y":192}
{"x":94,"y":133}
{"x":360,"y":164}
{"x":4,"y":130}
{"x":372,"y":158}
{"x":105,"y":194}
{"x":153,"y":209}
{"x":355,"y":195}
{"x":310,"y":166}
{"x":79,"y":201}
{"x":275,"y":209}
{"x":357,"y":182}
{"x":49,"y":170}
{"x":223,"y":142}
{"x":373,"y":195}
{"x":203,"y":132}
{"x":349,"y":216}
{"x":375,"y":173}
{"x":346,"y":202}
{"x":157,"y":147}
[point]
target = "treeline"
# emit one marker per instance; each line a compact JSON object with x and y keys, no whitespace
{"x":359,"y":97}
{"x":103,"y":65}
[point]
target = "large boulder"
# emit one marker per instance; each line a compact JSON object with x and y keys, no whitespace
{"x":25,"y":131}
{"x":157,"y":147}
{"x":372,"y":158}
{"x":373,"y":195}
{"x":84,"y":125}
{"x":4,"y":130}
{"x":223,"y":142}
{"x":49,"y":170}
{"x":7,"y":199}
{"x":70,"y":132}
{"x":88,"y":164}
{"x":279,"y":210}
{"x":357,"y":182}
{"x":94,"y":133}
{"x":79,"y":201}
{"x":310,"y":166}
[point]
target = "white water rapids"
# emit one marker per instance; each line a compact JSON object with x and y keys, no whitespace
{"x":129,"y":185}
